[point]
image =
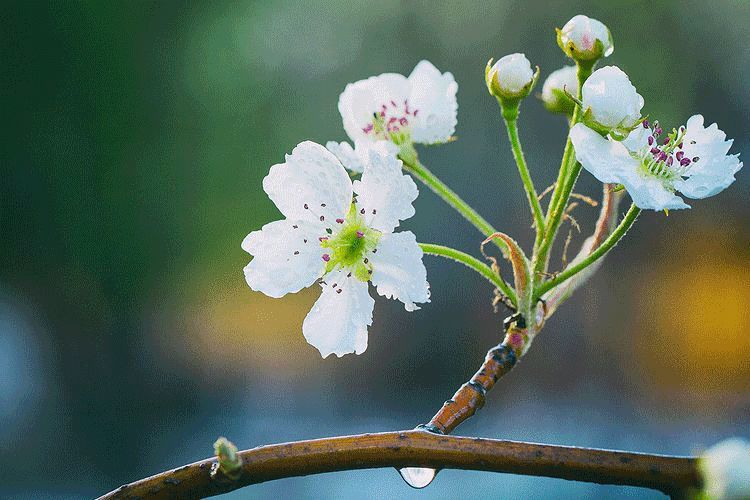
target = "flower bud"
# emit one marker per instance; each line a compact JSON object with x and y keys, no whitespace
{"x":725,"y":468}
{"x":557,"y":84}
{"x":511,"y":76}
{"x":610,"y":101}
{"x":510,"y":79}
{"x":585,"y":39}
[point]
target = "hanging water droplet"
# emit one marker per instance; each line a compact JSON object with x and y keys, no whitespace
{"x":417,"y":477}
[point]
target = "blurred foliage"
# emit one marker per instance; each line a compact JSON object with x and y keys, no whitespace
{"x":136,"y":138}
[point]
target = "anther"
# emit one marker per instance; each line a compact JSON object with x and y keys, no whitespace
{"x":340,"y":221}
{"x":651,"y":140}
{"x":326,"y":257}
{"x":322,"y":218}
{"x":306,"y":207}
{"x":323,"y":238}
{"x":362,"y":211}
{"x":296,"y":252}
{"x":645,"y":124}
{"x":695,"y":158}
{"x":338,"y":291}
{"x":366,"y":260}
{"x":295,"y":226}
{"x":360,"y":234}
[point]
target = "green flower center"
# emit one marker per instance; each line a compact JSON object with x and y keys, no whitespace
{"x":349,"y":246}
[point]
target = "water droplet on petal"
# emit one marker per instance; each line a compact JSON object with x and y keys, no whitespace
{"x":417,"y":477}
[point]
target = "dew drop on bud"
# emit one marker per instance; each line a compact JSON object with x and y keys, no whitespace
{"x":417,"y":477}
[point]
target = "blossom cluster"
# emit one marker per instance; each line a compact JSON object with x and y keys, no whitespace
{"x":342,"y":234}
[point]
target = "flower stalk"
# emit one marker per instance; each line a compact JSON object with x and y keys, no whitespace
{"x":561,"y":192}
{"x":472,"y":263}
{"x":528,"y":184}
{"x":418,"y":170}
{"x":598,"y":253}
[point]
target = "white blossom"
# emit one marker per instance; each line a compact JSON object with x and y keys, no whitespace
{"x":693,"y":160}
{"x":610,"y":100}
{"x":579,"y":37}
{"x":512,"y":74}
{"x":725,"y":468}
{"x":557,"y":84}
{"x":340,"y":235}
{"x":421,"y":108}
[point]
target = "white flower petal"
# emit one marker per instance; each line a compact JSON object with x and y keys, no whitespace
{"x":725,"y":468}
{"x":337,"y":323}
{"x":361,"y":99}
{"x":637,"y":139}
{"x":384,"y":192}
{"x":354,"y":158}
{"x":607,"y":160}
{"x":346,"y":155}
{"x":611,"y":98}
{"x":610,"y":162}
{"x":310,"y":176}
{"x":434,"y":96}
{"x":276,"y":269}
{"x":650,"y":193}
{"x":715,"y":169}
{"x":398,"y":271}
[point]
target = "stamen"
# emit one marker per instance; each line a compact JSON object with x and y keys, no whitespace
{"x":340,"y":221}
{"x":326,"y":257}
{"x":645,"y":124}
{"x":360,"y":234}
{"x":296,"y":252}
{"x":651,"y":140}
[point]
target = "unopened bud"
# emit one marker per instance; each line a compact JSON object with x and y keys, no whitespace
{"x":556,"y":88}
{"x":610,"y":102}
{"x":585,"y":39}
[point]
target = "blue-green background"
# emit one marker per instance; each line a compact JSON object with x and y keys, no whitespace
{"x":135,"y":138}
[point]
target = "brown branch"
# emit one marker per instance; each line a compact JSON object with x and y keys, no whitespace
{"x":669,"y":474}
{"x":471,"y":396}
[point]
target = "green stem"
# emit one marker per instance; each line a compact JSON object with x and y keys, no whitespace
{"x":472,"y":263}
{"x":563,"y":187}
{"x":528,"y":184}
{"x":412,"y":165}
{"x":610,"y":242}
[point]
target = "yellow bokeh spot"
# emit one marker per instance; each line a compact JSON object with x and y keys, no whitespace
{"x":694,"y":333}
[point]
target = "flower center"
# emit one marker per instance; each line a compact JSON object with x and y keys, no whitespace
{"x":666,"y":161}
{"x":348,"y":247}
{"x":391,"y":122}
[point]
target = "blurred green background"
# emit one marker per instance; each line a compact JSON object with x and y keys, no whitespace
{"x":136,"y":137}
